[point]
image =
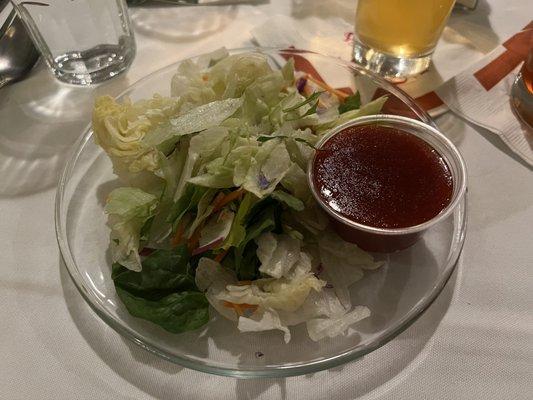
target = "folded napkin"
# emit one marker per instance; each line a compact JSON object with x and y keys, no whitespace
{"x":481,"y":93}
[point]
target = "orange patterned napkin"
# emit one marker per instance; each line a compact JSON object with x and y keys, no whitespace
{"x":481,"y":93}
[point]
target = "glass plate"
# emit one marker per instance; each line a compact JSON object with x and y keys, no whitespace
{"x":396,"y":294}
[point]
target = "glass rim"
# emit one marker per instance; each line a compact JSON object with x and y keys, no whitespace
{"x":217,"y":368}
{"x":459,"y":188}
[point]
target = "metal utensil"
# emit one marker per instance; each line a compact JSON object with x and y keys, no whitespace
{"x":18,"y":55}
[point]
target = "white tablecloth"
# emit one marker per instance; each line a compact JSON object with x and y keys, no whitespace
{"x":474,"y":342}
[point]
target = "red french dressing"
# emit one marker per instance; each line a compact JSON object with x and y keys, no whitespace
{"x":382,"y":177}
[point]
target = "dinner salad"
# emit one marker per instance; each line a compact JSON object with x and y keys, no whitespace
{"x":216,"y":207}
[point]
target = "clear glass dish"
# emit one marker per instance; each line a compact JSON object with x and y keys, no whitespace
{"x":396,"y":294}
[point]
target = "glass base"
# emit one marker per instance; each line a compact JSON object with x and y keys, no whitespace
{"x":388,"y":66}
{"x":95,"y":65}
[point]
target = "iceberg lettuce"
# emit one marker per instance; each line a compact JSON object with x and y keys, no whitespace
{"x":217,"y":228}
{"x":129,"y":209}
{"x":336,"y":119}
{"x":264,"y":320}
{"x":343,"y":264}
{"x":120,"y":128}
{"x":319,"y":328}
{"x":277,"y":253}
{"x":257,"y":167}
{"x":217,"y":76}
{"x":209,"y":115}
{"x":280,"y":294}
{"x":267,"y":168}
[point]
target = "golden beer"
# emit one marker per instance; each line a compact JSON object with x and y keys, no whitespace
{"x":403,"y":29}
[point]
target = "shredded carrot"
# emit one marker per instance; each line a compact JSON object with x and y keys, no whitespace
{"x":178,"y":236}
{"x":218,"y":198}
{"x":220,"y":201}
{"x":242,"y":283}
{"x":338,"y":93}
{"x":240,"y":309}
{"x":217,"y":205}
{"x":321,"y":104}
{"x":220,"y":256}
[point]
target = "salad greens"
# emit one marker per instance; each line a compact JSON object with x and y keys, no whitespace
{"x":164,"y":291}
{"x":216,"y":208}
{"x":352,"y":102}
{"x":129,"y":209}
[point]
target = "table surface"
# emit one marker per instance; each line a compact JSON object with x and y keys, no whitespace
{"x":474,"y":342}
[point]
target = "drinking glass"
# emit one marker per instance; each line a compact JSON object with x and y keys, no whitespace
{"x":83,"y":41}
{"x":522,"y":89}
{"x":396,"y":38}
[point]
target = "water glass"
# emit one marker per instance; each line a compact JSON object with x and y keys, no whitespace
{"x":396,"y":38}
{"x":83,"y":41}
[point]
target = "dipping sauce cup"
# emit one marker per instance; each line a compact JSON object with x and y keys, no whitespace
{"x":424,"y":171}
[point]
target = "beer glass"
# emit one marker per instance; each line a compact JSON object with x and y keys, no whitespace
{"x":396,"y":38}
